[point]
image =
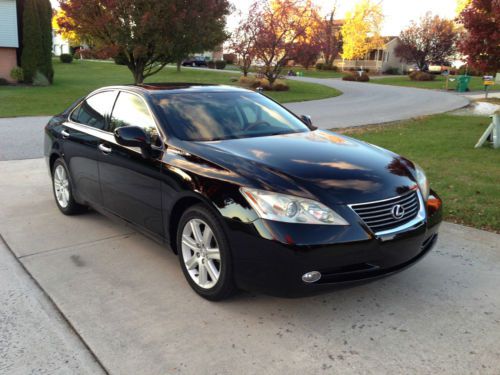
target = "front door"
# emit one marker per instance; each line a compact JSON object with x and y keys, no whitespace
{"x":130,"y":184}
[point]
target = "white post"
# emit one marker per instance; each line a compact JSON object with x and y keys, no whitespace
{"x":493,"y":130}
{"x":496,"y":129}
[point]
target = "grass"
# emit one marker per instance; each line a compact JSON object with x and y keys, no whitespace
{"x":476,"y":83}
{"x":79,"y":78}
{"x":467,"y":179}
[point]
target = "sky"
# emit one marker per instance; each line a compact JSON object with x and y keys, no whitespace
{"x":398,"y":13}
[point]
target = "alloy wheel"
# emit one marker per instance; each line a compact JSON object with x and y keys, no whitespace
{"x":61,"y":186}
{"x":200,"y":253}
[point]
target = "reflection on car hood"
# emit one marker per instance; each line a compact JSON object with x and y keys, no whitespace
{"x":318,"y":164}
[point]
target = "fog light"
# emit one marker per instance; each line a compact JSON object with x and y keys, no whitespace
{"x":311,"y":277}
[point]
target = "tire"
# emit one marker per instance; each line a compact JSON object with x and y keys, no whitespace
{"x":201,"y":255}
{"x":63,"y":191}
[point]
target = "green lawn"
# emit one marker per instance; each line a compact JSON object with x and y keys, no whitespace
{"x":79,"y":78}
{"x":476,"y":83}
{"x":467,"y":179}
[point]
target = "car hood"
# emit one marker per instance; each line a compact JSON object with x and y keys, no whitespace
{"x":318,"y":165}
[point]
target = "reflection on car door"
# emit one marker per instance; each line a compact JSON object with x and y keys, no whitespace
{"x":130,"y":184}
{"x":81,"y":135}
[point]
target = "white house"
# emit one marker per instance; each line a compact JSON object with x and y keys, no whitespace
{"x":378,"y":60}
{"x":59,"y":44}
{"x":9,"y":38}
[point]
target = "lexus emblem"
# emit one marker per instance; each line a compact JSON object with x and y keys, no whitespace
{"x":397,"y":211}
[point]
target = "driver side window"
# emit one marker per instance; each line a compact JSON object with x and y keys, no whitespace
{"x":130,"y":110}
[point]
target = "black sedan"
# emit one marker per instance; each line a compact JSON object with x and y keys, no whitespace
{"x":249,"y":195}
{"x":195,"y":61}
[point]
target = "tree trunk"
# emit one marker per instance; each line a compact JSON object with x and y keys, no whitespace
{"x":179,"y":65}
{"x":138,"y":75}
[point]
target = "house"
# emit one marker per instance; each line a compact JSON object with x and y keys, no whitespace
{"x":9,"y":37}
{"x":378,"y":60}
{"x":59,"y":44}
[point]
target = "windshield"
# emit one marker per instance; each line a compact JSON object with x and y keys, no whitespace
{"x":211,"y":116}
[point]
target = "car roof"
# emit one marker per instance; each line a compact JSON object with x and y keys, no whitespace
{"x":175,"y":88}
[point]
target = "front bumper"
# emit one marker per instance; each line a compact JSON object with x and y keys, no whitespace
{"x":271,"y":257}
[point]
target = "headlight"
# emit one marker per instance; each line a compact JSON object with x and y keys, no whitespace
{"x":290,"y":209}
{"x":422,"y":182}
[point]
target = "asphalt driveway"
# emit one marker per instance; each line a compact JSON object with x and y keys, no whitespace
{"x":126,"y":298}
{"x":360,"y":104}
{"x":368,"y":103}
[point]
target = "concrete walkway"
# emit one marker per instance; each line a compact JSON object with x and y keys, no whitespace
{"x":368,"y":103}
{"x":129,"y":302}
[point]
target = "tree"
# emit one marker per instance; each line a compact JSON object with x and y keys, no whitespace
{"x":361,"y":30}
{"x":329,"y":37}
{"x":67,"y":29}
{"x":480,"y":42}
{"x":200,"y":28}
{"x":37,"y":40}
{"x":148,"y":33}
{"x":279,"y":25}
{"x":243,"y":39}
{"x":432,"y":40}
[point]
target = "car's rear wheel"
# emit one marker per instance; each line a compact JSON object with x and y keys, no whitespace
{"x":62,"y":188}
{"x":204,"y":253}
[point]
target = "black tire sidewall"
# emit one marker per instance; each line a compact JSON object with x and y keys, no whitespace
{"x":225,"y":285}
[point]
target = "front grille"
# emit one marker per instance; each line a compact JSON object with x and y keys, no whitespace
{"x":378,"y":215}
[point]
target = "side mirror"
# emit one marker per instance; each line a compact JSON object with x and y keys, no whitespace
{"x":306,"y":119}
{"x":134,"y":136}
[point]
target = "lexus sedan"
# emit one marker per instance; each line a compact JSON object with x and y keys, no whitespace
{"x":247,"y":194}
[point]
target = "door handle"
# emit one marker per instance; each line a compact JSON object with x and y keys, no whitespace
{"x":105,"y":149}
{"x":64,"y":134}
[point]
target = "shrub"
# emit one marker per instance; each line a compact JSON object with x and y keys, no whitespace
{"x":40,"y":80}
{"x":17,"y":74}
{"x":280,"y":86}
{"x":3,"y":82}
{"x":220,"y":64}
{"x":37,"y":39}
{"x":355,"y":76}
{"x":421,"y":76}
{"x":66,"y":58}
{"x":230,"y":58}
{"x":320,"y":66}
{"x":120,"y":59}
{"x":363,"y":77}
{"x":470,"y":71}
{"x":246,"y":81}
{"x":211,"y":64}
{"x":392,"y":71}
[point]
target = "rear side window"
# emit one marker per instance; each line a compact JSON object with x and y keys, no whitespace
{"x":93,"y":111}
{"x":130,"y":110}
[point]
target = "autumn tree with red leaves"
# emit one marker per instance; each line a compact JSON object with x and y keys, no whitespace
{"x":148,"y":33}
{"x":280,"y":24}
{"x":432,"y":40}
{"x":481,"y":41}
{"x":330,"y":37}
{"x":243,"y":39}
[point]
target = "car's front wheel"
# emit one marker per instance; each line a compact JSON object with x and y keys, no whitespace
{"x":204,"y":254}
{"x":63,"y":193}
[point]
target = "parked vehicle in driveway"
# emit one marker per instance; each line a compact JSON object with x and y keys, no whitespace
{"x":249,"y":195}
{"x":195,"y":61}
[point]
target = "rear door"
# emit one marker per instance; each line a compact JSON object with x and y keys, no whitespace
{"x":82,"y":134}
{"x":131,"y":184}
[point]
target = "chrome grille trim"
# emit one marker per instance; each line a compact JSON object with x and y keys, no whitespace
{"x":377,"y":214}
